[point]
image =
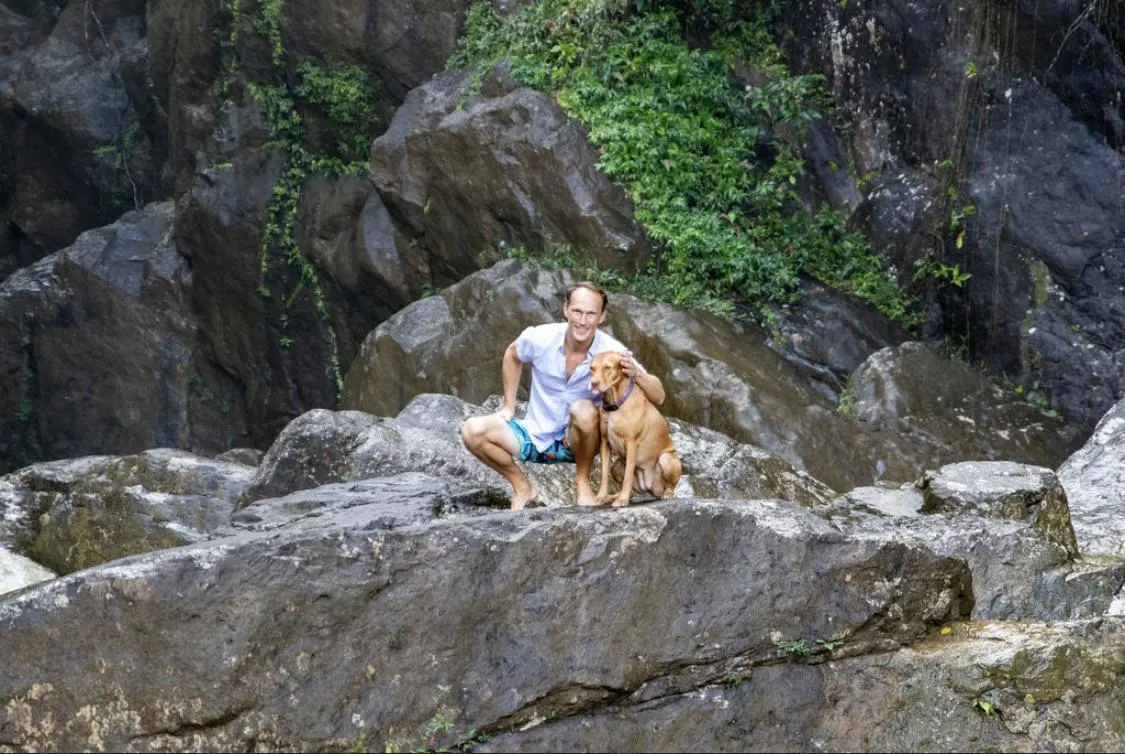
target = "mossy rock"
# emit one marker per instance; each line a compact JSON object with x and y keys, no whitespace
{"x":95,"y":530}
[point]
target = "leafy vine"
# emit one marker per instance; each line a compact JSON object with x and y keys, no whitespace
{"x":341,"y":93}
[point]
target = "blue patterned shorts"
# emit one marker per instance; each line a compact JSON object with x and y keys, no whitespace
{"x":559,"y":452}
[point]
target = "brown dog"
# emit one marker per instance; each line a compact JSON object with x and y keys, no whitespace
{"x":635,"y":429}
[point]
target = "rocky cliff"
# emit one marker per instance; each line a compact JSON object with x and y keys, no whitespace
{"x":241,"y":321}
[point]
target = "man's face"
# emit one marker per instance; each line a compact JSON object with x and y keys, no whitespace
{"x":583,"y":315}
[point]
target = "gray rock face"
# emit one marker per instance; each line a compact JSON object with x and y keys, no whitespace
{"x":959,"y":117}
{"x":76,"y":152}
{"x":104,"y":330}
{"x":1094,"y":480}
{"x":1003,"y":490}
{"x":828,"y":334}
{"x":961,"y":415}
{"x":1012,"y":525}
{"x":469,"y":172}
{"x":949,"y":693}
{"x":641,"y":603}
{"x":402,"y":43}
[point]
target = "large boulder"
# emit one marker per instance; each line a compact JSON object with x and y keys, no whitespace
{"x":1012,"y":525}
{"x":76,"y":513}
{"x":717,"y":375}
{"x":1006,"y":490}
{"x":350,"y":628}
{"x":1094,"y":480}
{"x":466,"y":172}
{"x":99,"y":351}
{"x":337,"y":447}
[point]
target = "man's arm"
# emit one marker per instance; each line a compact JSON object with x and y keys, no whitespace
{"x":649,"y":384}
{"x":510,"y":377}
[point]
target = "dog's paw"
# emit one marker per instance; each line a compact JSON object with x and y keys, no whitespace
{"x":620,"y":502}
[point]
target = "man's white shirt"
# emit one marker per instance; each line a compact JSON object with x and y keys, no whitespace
{"x":548,"y":405}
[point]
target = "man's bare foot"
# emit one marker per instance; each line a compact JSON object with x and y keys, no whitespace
{"x":522,"y":496}
{"x":586,"y":497}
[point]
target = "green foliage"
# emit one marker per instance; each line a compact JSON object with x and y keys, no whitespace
{"x":799,"y":648}
{"x":1035,"y":395}
{"x":987,"y":708}
{"x":268,"y":24}
{"x":930,"y":268}
{"x":795,"y":647}
{"x":846,"y":406}
{"x":958,"y":215}
{"x":732,"y":680}
{"x":440,"y":725}
{"x":346,"y":95}
{"x":710,"y":163}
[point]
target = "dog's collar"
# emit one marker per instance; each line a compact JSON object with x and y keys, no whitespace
{"x":624,"y":397}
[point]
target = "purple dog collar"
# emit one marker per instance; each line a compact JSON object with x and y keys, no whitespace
{"x":625,"y":397}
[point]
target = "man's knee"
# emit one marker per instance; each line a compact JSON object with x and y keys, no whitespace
{"x":584,"y":416}
{"x":471,"y":432}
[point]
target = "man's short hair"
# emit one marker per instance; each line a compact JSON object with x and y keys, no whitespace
{"x":590,"y":287}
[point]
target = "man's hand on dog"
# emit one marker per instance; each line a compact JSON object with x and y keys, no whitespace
{"x":628,"y":366}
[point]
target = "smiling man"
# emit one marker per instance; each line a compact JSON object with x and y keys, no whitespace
{"x":561,"y":425}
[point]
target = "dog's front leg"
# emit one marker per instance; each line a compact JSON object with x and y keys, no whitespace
{"x":603,"y":488}
{"x":630,"y":470}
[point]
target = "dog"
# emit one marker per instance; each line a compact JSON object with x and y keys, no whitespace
{"x":635,"y":430}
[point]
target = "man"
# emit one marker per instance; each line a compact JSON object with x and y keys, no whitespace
{"x":562,"y":424}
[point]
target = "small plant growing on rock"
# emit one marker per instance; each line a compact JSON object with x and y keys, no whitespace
{"x":987,"y":708}
{"x":801,"y":648}
{"x":795,"y":648}
{"x":732,"y":680}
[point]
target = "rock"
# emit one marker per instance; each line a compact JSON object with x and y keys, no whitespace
{"x":17,"y":572}
{"x":1094,"y":480}
{"x":78,"y":513}
{"x":497,"y":619}
{"x":1002,"y":489}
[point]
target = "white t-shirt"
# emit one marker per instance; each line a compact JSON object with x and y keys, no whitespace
{"x":548,"y":405}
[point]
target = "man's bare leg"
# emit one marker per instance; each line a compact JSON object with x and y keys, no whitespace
{"x":584,"y":435}
{"x":491,"y":440}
